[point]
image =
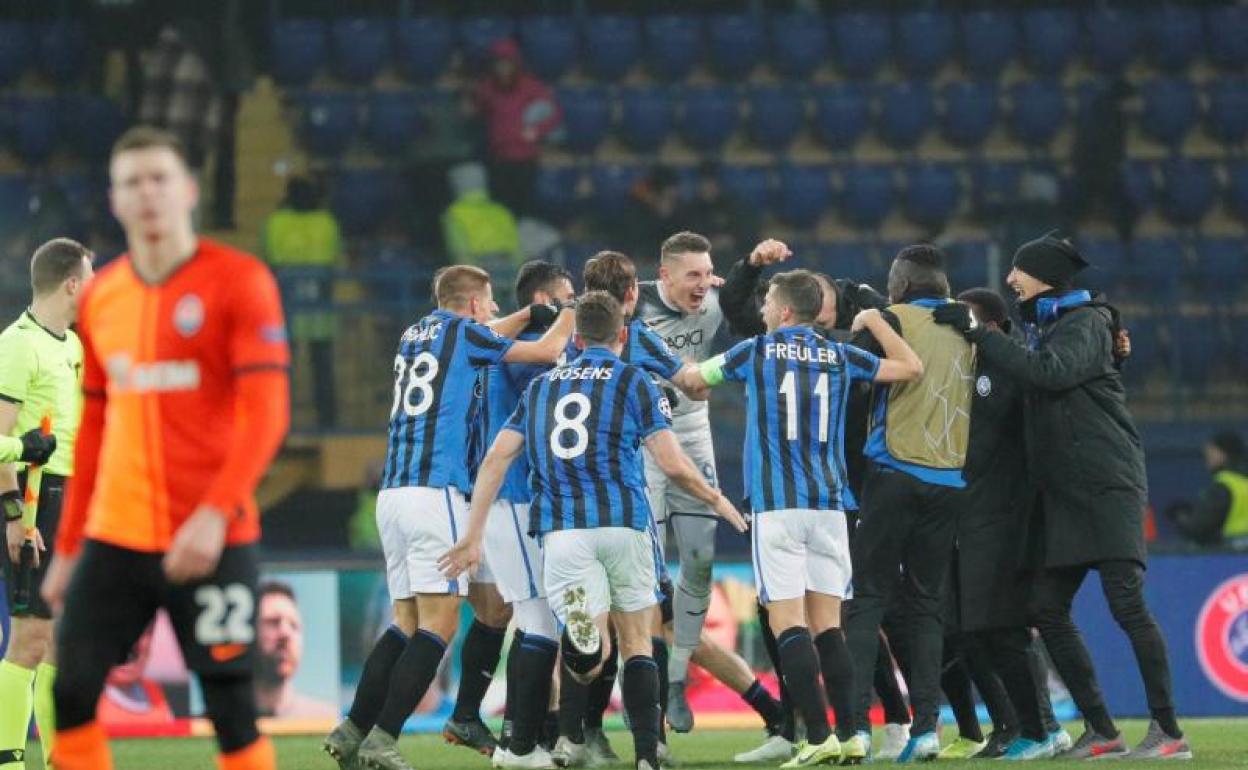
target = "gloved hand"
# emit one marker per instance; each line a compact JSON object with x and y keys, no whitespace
{"x":36,"y":447}
{"x":542,"y":315}
{"x":958,"y":315}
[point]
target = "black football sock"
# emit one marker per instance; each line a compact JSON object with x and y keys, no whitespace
{"x":801,"y":674}
{"x":513,"y":654}
{"x":370,"y":694}
{"x":766,"y":706}
{"x":789,"y":729}
{"x":838,"y":679}
{"x":659,"y":645}
{"x":479,"y":657}
{"x":535,"y":662}
{"x":600,"y":689}
{"x":572,"y":699}
{"x":641,"y":701}
{"x":410,"y":678}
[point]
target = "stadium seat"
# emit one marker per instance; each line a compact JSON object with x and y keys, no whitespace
{"x":777,"y":114}
{"x":861,"y":43}
{"x":36,"y":125}
{"x":1107,"y":260}
{"x":329,"y":122}
{"x":90,"y":125}
{"x":970,"y":111}
{"x":803,"y":194}
{"x":867,"y":193}
{"x":989,"y":41}
{"x":1189,"y":190}
{"x":906,"y":113}
{"x":967,"y":264}
{"x":845,"y":259}
{"x":1226,"y":28}
{"x":1039,"y":111}
{"x":394,"y":120}
{"x":674,"y":44}
{"x":994,"y":186}
{"x":478,"y":33}
{"x":1050,"y":39}
{"x":933,"y":194}
{"x":749,"y":184}
{"x":550,"y":45}
{"x":799,"y":44}
{"x":1113,"y":37}
{"x":1157,"y":260}
{"x":709,"y":115}
{"x":555,"y":189}
{"x":1173,"y":34}
{"x":298,"y":48}
{"x":586,"y":117}
{"x":924,"y":41}
{"x":1228,"y":110}
{"x":63,"y":52}
{"x":359,"y":48}
{"x":1223,"y":264}
{"x":15,"y":194}
{"x":1170,"y":109}
{"x":646,"y":117}
{"x":1140,"y":183}
{"x":1196,"y":343}
{"x":737,"y":44}
{"x":612,"y":183}
{"x":424,"y":47}
{"x":362,"y":199}
{"x":614,"y":43}
{"x":15,"y":45}
{"x":1147,"y":352}
{"x":842,"y":113}
{"x":1237,"y":189}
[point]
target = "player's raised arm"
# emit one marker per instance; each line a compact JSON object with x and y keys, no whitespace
{"x":466,"y":554}
{"x":900,"y":362}
{"x":549,"y":347}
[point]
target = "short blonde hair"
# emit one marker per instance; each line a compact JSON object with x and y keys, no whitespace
{"x":454,"y":286}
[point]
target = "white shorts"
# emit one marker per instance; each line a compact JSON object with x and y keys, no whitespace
{"x":615,"y":565}
{"x":799,"y":550}
{"x":417,"y":525}
{"x":666,"y":496}
{"x":514,"y":557}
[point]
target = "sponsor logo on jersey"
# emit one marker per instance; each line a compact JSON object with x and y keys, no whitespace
{"x":1222,"y":637}
{"x":125,"y":376}
{"x":685,"y":340}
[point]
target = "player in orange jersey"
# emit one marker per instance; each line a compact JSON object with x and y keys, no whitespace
{"x":186,"y":402}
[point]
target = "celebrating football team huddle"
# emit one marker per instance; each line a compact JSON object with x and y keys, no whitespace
{"x":949,"y":480}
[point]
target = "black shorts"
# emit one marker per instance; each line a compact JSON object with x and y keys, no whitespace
{"x":47,"y":519}
{"x":115,"y":592}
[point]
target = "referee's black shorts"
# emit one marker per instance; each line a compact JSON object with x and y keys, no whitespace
{"x":47,"y":519}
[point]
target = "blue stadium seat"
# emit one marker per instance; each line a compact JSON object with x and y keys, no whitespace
{"x":15,"y":40}
{"x":15,"y":194}
{"x":424,"y":46}
{"x":63,"y":51}
{"x":994,"y":185}
{"x":394,"y":120}
{"x":1113,"y":37}
{"x":776,"y":116}
{"x":550,"y":45}
{"x":799,"y":44}
{"x":737,"y":44}
{"x":674,"y":44}
{"x":614,"y":43}
{"x":933,"y":194}
{"x":1226,"y":27}
{"x":861,"y":42}
{"x":1196,"y":342}
{"x":989,"y":41}
{"x":36,"y":128}
{"x":1228,"y":110}
{"x":1039,"y":111}
{"x":906,"y":113}
{"x":845,"y":259}
{"x":749,"y":184}
{"x":359,"y":48}
{"x":924,"y":41}
{"x":478,"y":33}
{"x":91,"y":124}
{"x":867,"y":193}
{"x":1107,"y":258}
{"x":646,"y":117}
{"x":329,"y":121}
{"x":1189,"y":190}
{"x":1156,"y":259}
{"x":842,"y":114}
{"x":298,"y":48}
{"x":1050,"y":39}
{"x":970,"y":111}
{"x":586,"y":117}
{"x":1140,"y":182}
{"x":1237,"y":189}
{"x":709,"y":115}
{"x":1147,"y":352}
{"x":362,"y":198}
{"x":803,"y":194}
{"x":1170,"y":109}
{"x":967,"y":264}
{"x":1174,"y":36}
{"x":612,"y":183}
{"x":1223,"y":265}
{"x":555,"y":190}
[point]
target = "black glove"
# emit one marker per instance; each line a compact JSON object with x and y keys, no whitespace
{"x":11,"y":504}
{"x":958,"y":315}
{"x":541,"y":315}
{"x":36,"y":447}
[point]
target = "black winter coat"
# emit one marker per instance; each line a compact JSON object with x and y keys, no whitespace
{"x":1083,"y":449}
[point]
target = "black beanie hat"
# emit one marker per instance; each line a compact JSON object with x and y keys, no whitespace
{"x":1050,"y":259}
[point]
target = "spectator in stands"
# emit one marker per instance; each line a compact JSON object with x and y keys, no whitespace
{"x":1221,"y":515}
{"x":301,"y":241}
{"x":519,"y":111}
{"x":279,"y":648}
{"x":477,"y":229}
{"x":648,"y":215}
{"x":180,"y":93}
{"x":731,"y":226}
{"x":1097,"y":156}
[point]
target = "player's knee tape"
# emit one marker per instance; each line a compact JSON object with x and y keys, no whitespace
{"x":533,"y":616}
{"x":230,"y":704}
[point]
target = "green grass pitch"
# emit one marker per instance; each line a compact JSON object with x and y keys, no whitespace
{"x":1217,"y":743}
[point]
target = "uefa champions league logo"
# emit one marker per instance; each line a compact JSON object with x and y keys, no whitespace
{"x":1222,"y":637}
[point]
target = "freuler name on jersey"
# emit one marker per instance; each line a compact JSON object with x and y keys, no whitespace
{"x":793,"y":352}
